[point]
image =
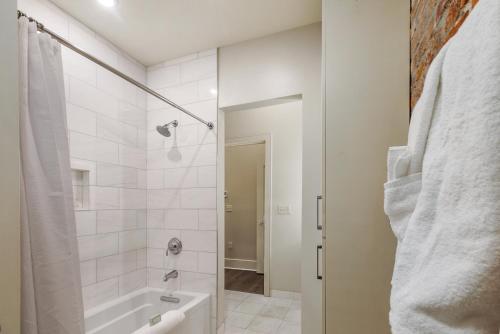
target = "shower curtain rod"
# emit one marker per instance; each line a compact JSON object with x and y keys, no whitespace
{"x":110,"y":68}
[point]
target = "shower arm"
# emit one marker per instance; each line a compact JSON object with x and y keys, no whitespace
{"x":41,"y":28}
{"x":174,"y":123}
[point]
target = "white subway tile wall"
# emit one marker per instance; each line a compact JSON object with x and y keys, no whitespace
{"x":181,"y":174}
{"x":142,"y":188}
{"x":107,"y":132}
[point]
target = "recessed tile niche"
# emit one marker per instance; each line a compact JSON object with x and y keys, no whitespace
{"x":80,"y":180}
{"x":83,"y":175}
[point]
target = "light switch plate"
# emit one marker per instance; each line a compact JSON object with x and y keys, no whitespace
{"x":284,"y":210}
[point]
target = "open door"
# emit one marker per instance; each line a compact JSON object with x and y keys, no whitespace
{"x":261,"y":226}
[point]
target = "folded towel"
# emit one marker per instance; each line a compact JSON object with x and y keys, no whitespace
{"x":169,"y":321}
{"x":443,"y":192}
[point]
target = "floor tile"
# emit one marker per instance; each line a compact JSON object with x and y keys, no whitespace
{"x":239,"y":320}
{"x":281,"y":301}
{"x":236,"y":295}
{"x":248,"y":313}
{"x":249,"y":307}
{"x":287,"y":328}
{"x":257,"y":299}
{"x":295,"y":305}
{"x":234,"y":330}
{"x":274,"y":311}
{"x":293,"y":316}
{"x":265,"y":325}
{"x":231,"y":304}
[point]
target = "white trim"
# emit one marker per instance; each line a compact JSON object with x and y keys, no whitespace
{"x":240,"y":264}
{"x":242,"y":141}
{"x":242,"y":260}
{"x":242,"y":269}
{"x":263,"y":103}
{"x":280,"y":294}
{"x":220,"y":209}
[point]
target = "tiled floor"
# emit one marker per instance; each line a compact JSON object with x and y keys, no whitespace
{"x":248,"y":313}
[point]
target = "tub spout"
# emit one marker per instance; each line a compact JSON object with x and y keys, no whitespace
{"x":172,"y":274}
{"x":170,"y":299}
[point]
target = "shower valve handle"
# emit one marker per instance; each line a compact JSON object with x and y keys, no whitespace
{"x":174,"y":246}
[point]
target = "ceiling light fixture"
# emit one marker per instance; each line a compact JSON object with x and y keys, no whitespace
{"x":108,"y":3}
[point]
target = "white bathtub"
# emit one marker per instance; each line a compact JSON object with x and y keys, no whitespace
{"x":128,"y":313}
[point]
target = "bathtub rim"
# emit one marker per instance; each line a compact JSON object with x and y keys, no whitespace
{"x":197,"y":301}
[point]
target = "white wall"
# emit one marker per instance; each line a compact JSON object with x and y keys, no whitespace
{"x":275,"y":66}
{"x":367,"y":86}
{"x":182,"y":174}
{"x":270,"y":67}
{"x":283,"y":123}
{"x":107,"y":123}
{"x":10,"y":280}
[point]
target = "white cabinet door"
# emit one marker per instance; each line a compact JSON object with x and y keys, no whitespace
{"x":366,"y":111}
{"x":312,"y":150}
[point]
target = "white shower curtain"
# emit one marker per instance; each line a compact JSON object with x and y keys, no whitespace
{"x":51,"y":298}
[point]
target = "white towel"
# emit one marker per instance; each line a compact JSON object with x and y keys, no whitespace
{"x":443,"y":192}
{"x":169,"y":321}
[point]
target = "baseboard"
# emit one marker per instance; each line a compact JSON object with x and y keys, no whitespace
{"x":286,"y":294}
{"x":240,"y":264}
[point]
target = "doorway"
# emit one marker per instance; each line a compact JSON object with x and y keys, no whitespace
{"x":245,"y":217}
{"x":266,"y":196}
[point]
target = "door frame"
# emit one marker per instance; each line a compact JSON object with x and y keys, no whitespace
{"x":260,"y":197}
{"x":265,"y":139}
{"x":10,"y":180}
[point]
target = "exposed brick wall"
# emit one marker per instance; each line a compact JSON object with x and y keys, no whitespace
{"x":433,"y":22}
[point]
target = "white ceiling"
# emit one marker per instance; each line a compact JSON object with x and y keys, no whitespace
{"x":152,"y":31}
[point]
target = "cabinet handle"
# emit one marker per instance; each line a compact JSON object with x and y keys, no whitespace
{"x":319,"y":227}
{"x":318,"y":276}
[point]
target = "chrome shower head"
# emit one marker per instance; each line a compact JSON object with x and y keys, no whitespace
{"x":164,"y":130}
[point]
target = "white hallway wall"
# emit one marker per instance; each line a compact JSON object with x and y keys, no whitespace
{"x":274,"y":66}
{"x":107,"y":123}
{"x":182,"y":174}
{"x":283,"y":123}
